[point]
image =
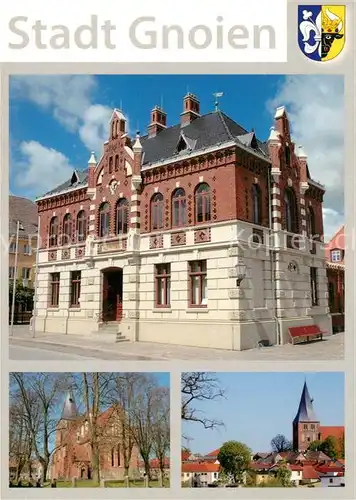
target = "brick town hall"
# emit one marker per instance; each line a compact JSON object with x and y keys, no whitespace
{"x":196,"y":234}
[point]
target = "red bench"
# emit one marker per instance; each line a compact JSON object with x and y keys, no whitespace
{"x":305,"y":333}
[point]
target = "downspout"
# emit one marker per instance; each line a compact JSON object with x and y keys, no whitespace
{"x":272,"y":253}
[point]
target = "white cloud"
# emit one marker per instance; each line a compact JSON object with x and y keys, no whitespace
{"x":40,"y":168}
{"x":70,"y":100}
{"x":315,"y":106}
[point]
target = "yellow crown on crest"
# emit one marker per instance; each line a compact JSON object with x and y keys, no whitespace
{"x":330,"y":25}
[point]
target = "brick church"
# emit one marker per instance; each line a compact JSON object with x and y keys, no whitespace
{"x":197,"y":234}
{"x":307,"y":428}
{"x":72,"y":457}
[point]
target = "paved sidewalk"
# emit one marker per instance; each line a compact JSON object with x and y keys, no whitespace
{"x":104,"y":347}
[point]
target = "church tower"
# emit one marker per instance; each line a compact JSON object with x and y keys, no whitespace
{"x":305,"y":424}
{"x":69,"y":413}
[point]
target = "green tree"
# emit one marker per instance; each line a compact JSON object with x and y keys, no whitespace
{"x":315,"y":446}
{"x":284,"y":474}
{"x":234,"y":458}
{"x":342,"y":446}
{"x":329,"y":446}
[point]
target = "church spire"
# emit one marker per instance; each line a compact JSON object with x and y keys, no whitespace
{"x":70,"y":410}
{"x":305,"y":411}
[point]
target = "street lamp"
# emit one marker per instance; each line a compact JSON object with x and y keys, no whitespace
{"x":19,"y":227}
{"x":241,"y":272}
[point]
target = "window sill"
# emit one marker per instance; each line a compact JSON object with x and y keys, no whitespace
{"x":162,"y":310}
{"x":74,"y":308}
{"x":53,"y":308}
{"x":195,"y":309}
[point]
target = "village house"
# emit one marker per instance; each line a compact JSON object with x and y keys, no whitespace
{"x":184,"y":232}
{"x":335,"y":268}
{"x":72,"y":457}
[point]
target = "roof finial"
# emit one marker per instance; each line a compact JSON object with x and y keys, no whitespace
{"x":217,"y":95}
{"x":92,"y":159}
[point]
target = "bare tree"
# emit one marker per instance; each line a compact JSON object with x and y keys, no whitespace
{"x":20,"y":439}
{"x":142,"y":417}
{"x":95,"y":386}
{"x":280,"y":443}
{"x":38,"y":394}
{"x":161,"y":428}
{"x":123,"y":398}
{"x":195,"y":387}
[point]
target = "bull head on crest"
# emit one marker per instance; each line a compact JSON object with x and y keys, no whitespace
{"x":320,"y":34}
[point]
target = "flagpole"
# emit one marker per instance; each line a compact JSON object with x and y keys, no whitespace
{"x":15,"y":279}
{"x":36,"y":280}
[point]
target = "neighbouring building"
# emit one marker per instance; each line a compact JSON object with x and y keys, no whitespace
{"x":307,"y":428}
{"x":72,"y":457}
{"x":197,"y":234}
{"x":335,"y":268}
{"x":23,"y":211}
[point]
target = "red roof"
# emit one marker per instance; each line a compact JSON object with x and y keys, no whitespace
{"x":309,"y":472}
{"x":213,"y":453}
{"x":154,"y":463}
{"x":260,"y":465}
{"x":337,"y":432}
{"x":200,"y":467}
{"x":325,"y":469}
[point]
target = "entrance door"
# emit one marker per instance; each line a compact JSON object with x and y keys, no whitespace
{"x":112,"y":294}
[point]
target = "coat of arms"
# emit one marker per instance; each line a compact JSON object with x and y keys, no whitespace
{"x":321,"y":31}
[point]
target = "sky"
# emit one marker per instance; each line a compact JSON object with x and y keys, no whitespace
{"x":57,"y":120}
{"x":258,"y":406}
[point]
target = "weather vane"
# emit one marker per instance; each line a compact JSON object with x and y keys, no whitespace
{"x":217,"y":95}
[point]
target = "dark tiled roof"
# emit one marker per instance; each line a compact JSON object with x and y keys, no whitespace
{"x":78,"y":179}
{"x":204,"y":132}
{"x":305,"y":411}
{"x":25,"y":211}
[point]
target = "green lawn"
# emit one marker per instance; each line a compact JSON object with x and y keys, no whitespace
{"x":109,"y":484}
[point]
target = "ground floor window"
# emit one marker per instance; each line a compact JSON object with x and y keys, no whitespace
{"x":163,"y":285}
{"x":54,"y":290}
{"x":197,"y":283}
{"x":314,"y":285}
{"x":75,"y":288}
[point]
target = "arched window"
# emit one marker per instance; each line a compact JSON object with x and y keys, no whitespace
{"x":67,"y":229}
{"x":203,"y":203}
{"x":110,"y":164}
{"x":157,"y":212}
{"x":311,"y":230}
{"x":122,"y":216}
{"x":112,"y":457}
{"x":118,"y":456}
{"x":104,"y":220}
{"x":179,"y":208}
{"x":257,"y":204}
{"x":81,"y":226}
{"x":53,"y":232}
{"x":290,"y":211}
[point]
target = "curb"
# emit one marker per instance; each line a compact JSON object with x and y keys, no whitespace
{"x":48,"y":343}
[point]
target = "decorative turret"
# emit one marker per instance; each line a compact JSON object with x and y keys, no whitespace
{"x":91,"y":170}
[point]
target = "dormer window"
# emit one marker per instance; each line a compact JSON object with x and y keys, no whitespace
{"x":182,"y":145}
{"x":336,"y":255}
{"x":74,"y":179}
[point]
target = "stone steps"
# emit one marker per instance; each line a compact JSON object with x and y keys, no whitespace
{"x":110,"y":332}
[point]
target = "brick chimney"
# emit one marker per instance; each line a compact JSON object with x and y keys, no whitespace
{"x":191,"y":109}
{"x":158,"y":121}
